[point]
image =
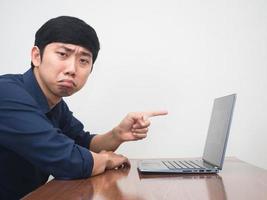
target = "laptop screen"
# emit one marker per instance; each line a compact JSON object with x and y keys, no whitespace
{"x":219,"y":130}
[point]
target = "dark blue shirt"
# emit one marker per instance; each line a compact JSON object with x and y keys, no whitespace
{"x":36,"y":141}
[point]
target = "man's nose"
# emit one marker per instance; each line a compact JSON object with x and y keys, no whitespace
{"x":71,"y":68}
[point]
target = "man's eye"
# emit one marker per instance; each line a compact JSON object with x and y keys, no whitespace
{"x":62,"y":54}
{"x":84,"y":61}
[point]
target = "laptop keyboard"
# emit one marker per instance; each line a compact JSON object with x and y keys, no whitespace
{"x":182,"y":164}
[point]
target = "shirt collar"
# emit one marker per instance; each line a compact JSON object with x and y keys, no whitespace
{"x":34,"y":89}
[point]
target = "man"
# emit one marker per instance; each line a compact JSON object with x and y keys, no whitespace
{"x":39,"y":136}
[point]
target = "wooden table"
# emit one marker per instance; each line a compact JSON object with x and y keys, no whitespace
{"x":238,"y":181}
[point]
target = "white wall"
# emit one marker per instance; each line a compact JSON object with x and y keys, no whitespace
{"x":170,"y":54}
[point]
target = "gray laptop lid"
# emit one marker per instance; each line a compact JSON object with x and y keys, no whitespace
{"x":218,"y":131}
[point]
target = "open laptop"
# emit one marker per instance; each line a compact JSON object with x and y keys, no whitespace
{"x":215,"y":147}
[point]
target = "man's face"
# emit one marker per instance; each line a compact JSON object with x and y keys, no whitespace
{"x":63,"y":70}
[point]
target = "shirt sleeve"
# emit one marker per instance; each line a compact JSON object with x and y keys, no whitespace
{"x":25,"y":130}
{"x":73,"y":128}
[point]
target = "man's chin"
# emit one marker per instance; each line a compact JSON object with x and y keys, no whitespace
{"x":65,"y":93}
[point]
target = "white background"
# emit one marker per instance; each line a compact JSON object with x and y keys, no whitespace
{"x":170,"y":54}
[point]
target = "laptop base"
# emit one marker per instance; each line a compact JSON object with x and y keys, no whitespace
{"x":176,"y":166}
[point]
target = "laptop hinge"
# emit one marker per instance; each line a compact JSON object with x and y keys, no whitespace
{"x":214,"y":166}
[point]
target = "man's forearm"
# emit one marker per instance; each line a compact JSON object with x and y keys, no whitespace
{"x":108,"y":142}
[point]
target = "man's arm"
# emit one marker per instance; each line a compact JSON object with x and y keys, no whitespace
{"x":26,"y":131}
{"x":133,"y":127}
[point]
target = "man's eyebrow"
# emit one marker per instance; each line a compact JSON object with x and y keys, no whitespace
{"x":66,"y":48}
{"x":83,"y":53}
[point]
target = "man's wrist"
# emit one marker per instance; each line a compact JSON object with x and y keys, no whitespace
{"x":100,"y":162}
{"x":116,"y":133}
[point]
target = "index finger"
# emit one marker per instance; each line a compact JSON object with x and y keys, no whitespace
{"x":155,"y":113}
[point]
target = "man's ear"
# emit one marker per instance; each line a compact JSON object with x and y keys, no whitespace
{"x":36,"y":56}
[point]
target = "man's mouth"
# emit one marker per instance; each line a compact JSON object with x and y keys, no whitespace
{"x":67,"y":83}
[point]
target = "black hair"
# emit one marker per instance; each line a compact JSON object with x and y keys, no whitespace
{"x":67,"y":29}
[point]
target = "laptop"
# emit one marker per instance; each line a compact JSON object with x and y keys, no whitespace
{"x":215,"y":147}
